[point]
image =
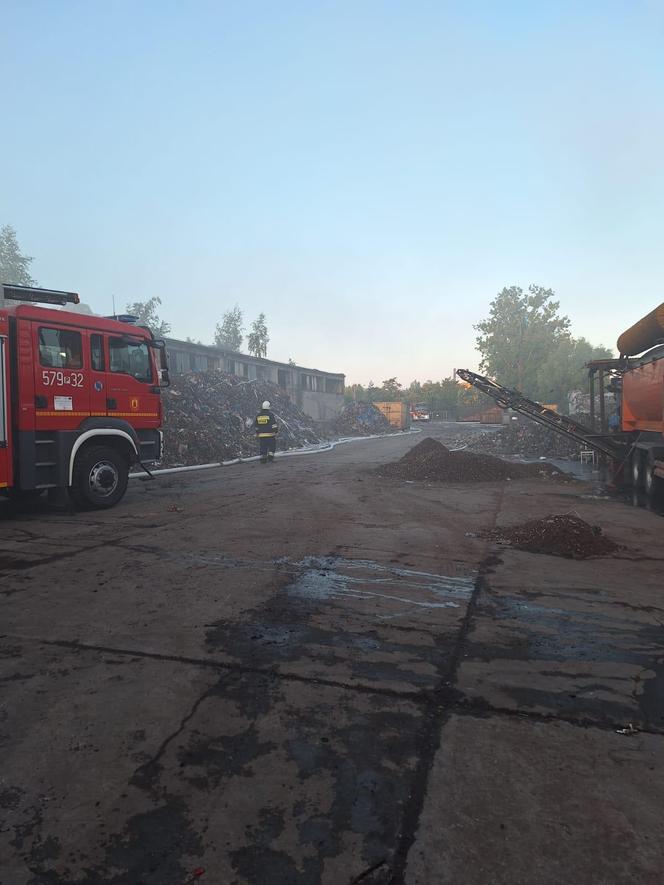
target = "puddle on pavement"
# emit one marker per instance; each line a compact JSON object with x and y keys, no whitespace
{"x":330,"y":577}
{"x":357,"y":619}
{"x":596,"y":640}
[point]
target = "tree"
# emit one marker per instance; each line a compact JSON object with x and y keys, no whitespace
{"x":14,"y":265}
{"x":521,"y":332}
{"x":258,"y":338}
{"x":564,"y":370}
{"x":146,"y":312}
{"x":391,"y":390}
{"x":230,"y":332}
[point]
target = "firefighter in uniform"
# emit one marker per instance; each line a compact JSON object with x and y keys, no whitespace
{"x":266,"y":428}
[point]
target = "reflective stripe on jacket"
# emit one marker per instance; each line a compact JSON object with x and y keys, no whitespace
{"x":265,"y":424}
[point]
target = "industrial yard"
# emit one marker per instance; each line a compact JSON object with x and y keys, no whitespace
{"x":315,"y":672}
{"x":332,"y":444}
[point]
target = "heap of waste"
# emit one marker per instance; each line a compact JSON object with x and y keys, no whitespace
{"x":527,"y":439}
{"x":361,"y":419}
{"x":431,"y":460}
{"x":566,"y":535}
{"x":208,"y":417}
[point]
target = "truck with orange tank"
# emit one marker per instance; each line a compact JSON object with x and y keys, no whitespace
{"x":640,"y":382}
{"x":80,"y":399}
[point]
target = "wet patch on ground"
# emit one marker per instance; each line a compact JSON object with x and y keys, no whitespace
{"x":588,"y":661}
{"x":352,"y":620}
{"x":343,"y":783}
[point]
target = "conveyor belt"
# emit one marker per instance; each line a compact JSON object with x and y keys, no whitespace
{"x":512,"y":399}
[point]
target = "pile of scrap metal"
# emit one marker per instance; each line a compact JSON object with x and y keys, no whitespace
{"x":209,"y":416}
{"x":527,"y":439}
{"x":361,"y":419}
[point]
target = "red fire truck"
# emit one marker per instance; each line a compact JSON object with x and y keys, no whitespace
{"x":79,"y":399}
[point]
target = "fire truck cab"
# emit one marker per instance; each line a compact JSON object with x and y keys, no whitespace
{"x":80,"y":399}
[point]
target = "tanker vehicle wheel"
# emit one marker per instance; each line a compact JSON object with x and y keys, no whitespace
{"x":651,"y":483}
{"x":100,"y":478}
{"x":637,"y":468}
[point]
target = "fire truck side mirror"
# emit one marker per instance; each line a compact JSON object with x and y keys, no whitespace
{"x":160,"y":346}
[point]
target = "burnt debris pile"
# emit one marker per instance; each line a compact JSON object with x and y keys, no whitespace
{"x":565,"y":535}
{"x":361,"y":419}
{"x":431,"y":460}
{"x":527,"y":439}
{"x":208,"y":416}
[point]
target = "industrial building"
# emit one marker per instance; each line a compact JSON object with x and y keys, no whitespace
{"x":319,"y":394}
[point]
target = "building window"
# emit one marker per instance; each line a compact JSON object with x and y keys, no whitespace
{"x":211,"y":364}
{"x":97,"y":362}
{"x":60,"y":349}
{"x":245,"y":370}
{"x":283,"y":378}
{"x":311,"y":382}
{"x":231,"y":367}
{"x":333,"y":385}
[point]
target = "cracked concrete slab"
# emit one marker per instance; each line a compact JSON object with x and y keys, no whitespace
{"x":515,"y":801}
{"x":251,"y":777}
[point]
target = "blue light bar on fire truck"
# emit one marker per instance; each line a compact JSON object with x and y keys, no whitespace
{"x":38,"y":296}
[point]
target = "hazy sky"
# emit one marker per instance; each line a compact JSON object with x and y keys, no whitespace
{"x":369,"y":174}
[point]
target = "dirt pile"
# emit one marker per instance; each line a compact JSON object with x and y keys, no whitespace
{"x":361,"y":419}
{"x":208,"y":416}
{"x":527,"y":439}
{"x":566,"y":535}
{"x":431,"y":460}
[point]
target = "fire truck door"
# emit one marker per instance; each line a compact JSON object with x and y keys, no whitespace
{"x":62,"y":382}
{"x":5,"y":477}
{"x":130,"y":377}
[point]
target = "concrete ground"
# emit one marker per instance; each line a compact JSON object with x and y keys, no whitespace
{"x":304,"y":673}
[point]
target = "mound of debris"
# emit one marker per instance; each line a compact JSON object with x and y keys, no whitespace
{"x":527,"y":439}
{"x":431,"y":460}
{"x":361,"y":419}
{"x":566,"y":535}
{"x":208,"y":416}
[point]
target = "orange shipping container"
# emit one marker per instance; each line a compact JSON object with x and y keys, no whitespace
{"x":398,"y":414}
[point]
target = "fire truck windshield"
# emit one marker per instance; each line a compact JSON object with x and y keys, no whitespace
{"x":131,"y":358}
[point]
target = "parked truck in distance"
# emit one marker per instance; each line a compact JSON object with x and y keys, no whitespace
{"x":420,"y":412}
{"x":80,"y":399}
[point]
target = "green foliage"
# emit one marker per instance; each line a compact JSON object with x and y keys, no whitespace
{"x":525,"y":343}
{"x":521,"y":332}
{"x":146,"y":311}
{"x":230,"y":332}
{"x":258,"y":338}
{"x":563,"y":370}
{"x":445,"y":399}
{"x":14,"y":265}
{"x":390,"y":391}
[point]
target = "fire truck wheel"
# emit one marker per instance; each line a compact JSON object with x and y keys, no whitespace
{"x":100,"y":478}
